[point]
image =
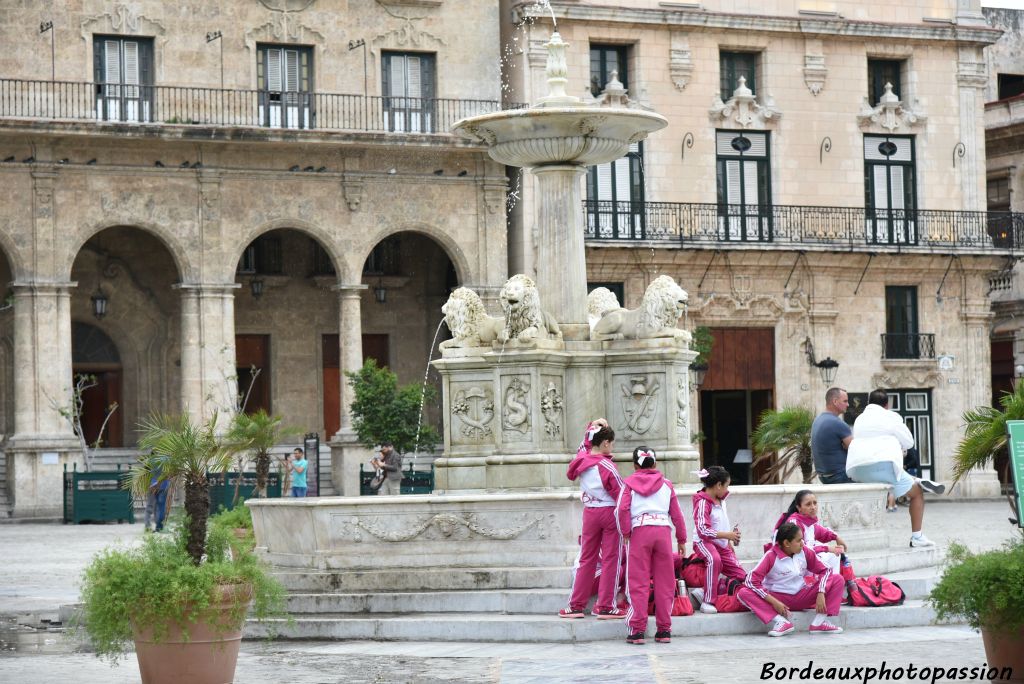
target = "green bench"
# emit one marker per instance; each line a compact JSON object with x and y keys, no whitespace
{"x":96,"y":496}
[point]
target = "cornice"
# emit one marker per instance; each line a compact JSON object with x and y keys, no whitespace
{"x":694,"y":19}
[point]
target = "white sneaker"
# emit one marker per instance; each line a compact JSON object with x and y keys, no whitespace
{"x":708,"y":608}
{"x":697,"y":593}
{"x":933,"y":487}
{"x":920,"y":541}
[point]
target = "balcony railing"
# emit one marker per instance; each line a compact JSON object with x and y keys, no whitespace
{"x":79,"y":101}
{"x":799,"y":226}
{"x":908,"y":346}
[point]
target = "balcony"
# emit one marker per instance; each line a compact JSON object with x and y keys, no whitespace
{"x":908,"y":346}
{"x":138,"y":104}
{"x":804,"y":227}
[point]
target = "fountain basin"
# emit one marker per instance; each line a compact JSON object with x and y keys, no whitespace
{"x":581,"y":135}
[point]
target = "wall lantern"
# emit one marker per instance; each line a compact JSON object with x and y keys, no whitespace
{"x":99,"y":303}
{"x":1018,"y":373}
{"x":256,"y":287}
{"x":380,"y":293}
{"x":697,"y":373}
{"x":827,"y":367}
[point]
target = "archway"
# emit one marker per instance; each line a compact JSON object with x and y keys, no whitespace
{"x":127,"y":328}
{"x":96,"y":368}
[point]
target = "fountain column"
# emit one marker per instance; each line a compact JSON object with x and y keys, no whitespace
{"x":561,"y":263}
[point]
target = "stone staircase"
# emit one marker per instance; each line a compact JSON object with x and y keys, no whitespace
{"x":521,"y":604}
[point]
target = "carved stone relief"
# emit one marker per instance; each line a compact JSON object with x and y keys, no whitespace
{"x":743,"y":109}
{"x":551,"y":409}
{"x":123,"y":19}
{"x":815,"y":73}
{"x":515,"y":409}
{"x":682,"y":408}
{"x":680,"y":60}
{"x":454,"y":526}
{"x":639,"y":402}
{"x":474,"y":407}
{"x":890,"y":113}
{"x":853,"y":513}
{"x":908,"y":378}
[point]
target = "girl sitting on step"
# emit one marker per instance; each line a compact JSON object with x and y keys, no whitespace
{"x":714,"y":532}
{"x":790,"y":577}
{"x":804,"y":512}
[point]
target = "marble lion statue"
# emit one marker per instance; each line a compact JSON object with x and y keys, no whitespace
{"x":468,"y":321}
{"x":657,"y":316}
{"x":600,"y":301}
{"x":525,"y":321}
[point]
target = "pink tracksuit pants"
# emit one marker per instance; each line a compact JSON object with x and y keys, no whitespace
{"x":718,"y":561}
{"x":650,"y":555}
{"x":600,"y":540}
{"x":806,"y":598}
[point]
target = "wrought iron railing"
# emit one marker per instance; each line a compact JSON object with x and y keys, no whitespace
{"x":78,"y":101}
{"x":718,"y":225}
{"x":908,"y":346}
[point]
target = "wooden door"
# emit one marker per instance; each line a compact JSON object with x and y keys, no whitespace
{"x":252,"y":361}
{"x":741,"y":358}
{"x":375,"y":347}
{"x":96,"y":404}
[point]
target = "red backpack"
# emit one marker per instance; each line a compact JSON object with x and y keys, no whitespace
{"x":876,"y":591}
{"x":692,"y":570}
{"x":727,"y":601}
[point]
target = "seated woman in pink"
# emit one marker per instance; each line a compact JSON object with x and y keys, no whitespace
{"x":804,"y":512}
{"x":790,"y":576}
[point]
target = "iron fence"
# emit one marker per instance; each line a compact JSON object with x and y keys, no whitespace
{"x":145,"y":104}
{"x":908,"y":346}
{"x":719,"y":224}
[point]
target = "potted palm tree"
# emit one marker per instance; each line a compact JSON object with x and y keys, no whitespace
{"x":260,"y":432}
{"x":987,"y":588}
{"x":181,"y":598}
{"x":783,"y":441}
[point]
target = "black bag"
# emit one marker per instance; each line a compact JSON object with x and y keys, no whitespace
{"x":377,"y":481}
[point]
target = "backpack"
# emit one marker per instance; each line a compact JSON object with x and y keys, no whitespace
{"x":875,"y":591}
{"x":681,"y":604}
{"x":692,"y":570}
{"x":727,"y":601}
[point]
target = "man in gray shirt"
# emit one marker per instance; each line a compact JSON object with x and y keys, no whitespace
{"x":830,"y":437}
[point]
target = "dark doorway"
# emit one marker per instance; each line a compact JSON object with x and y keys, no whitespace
{"x":1002,"y":383}
{"x":97,"y":365}
{"x":252,"y":361}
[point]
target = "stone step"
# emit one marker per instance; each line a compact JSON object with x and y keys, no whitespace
{"x":507,"y":601}
{"x":886,"y":563}
{"x":496,"y":627}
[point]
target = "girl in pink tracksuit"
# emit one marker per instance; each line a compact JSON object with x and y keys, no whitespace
{"x":790,"y":576}
{"x":600,"y":484}
{"x":647,"y":506}
{"x":804,"y":512}
{"x":711,"y":520}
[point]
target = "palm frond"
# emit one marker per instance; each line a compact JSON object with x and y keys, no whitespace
{"x":784,"y":435}
{"x":985,"y":432}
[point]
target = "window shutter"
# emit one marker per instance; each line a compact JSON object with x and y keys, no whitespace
{"x":622,"y":180}
{"x":274,"y":70}
{"x":291,"y":72}
{"x":131,"y":62}
{"x":98,"y":58}
{"x":604,"y":183}
{"x":112,"y":56}
{"x":732,"y":182}
{"x":414,"y":89}
{"x":428,"y":68}
{"x":385,"y":74}
{"x":880,"y":190}
{"x":750,"y":194}
{"x":397,"y":70}
{"x":146,"y":63}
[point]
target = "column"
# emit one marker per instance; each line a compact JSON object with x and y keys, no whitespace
{"x":209,"y":383}
{"x":43,"y":440}
{"x":560,"y":260}
{"x":977,"y":322}
{"x":346,"y":452}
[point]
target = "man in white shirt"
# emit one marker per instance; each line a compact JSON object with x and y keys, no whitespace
{"x":870,"y":463}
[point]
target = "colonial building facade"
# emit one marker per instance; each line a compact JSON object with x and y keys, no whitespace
{"x":819,"y":192}
{"x":203,"y":201}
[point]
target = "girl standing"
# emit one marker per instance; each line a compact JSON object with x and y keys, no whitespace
{"x":790,"y":576}
{"x":599,"y":484}
{"x":647,"y":507}
{"x":714,"y":533}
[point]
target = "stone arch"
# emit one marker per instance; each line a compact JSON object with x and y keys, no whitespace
{"x":463,"y":272}
{"x":326,"y":240}
{"x":9,"y":251}
{"x":182,"y":262}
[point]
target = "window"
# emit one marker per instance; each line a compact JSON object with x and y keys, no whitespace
{"x":123,"y":69}
{"x":284,"y":79}
{"x":322,"y":263}
{"x":1000,"y":221}
{"x":890,"y":193}
{"x":615,"y":191}
{"x":915,"y":407}
{"x":263,"y":255}
{"x":902,"y":340}
{"x":744,"y":186}
{"x":1009,"y":85}
{"x":880,"y":72}
{"x":408,"y":87}
{"x":604,"y":59}
{"x":732,"y":65}
{"x":383,"y":259}
{"x":998,"y":193}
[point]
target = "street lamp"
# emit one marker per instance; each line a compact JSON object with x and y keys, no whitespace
{"x":256,"y":287}
{"x":697,"y":373}
{"x":380,"y":293}
{"x":827,"y":367}
{"x":1018,"y":373}
{"x":99,"y":303}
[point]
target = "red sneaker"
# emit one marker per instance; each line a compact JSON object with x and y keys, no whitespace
{"x":610,"y":614}
{"x":825,"y":627}
{"x":572,"y":613}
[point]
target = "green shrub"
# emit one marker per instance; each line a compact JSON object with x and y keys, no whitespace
{"x":383,"y":411}
{"x":239,"y":516}
{"x":151,"y":583}
{"x":987,"y":589}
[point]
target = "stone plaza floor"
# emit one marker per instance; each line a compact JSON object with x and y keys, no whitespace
{"x":43,"y":561}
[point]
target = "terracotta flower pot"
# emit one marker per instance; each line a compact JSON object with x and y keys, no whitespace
{"x":209,"y":653}
{"x":1003,"y":650}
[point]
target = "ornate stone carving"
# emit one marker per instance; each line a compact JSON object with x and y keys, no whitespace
{"x":682,"y":407}
{"x":467,"y":319}
{"x":515,"y":412}
{"x":889,"y":113}
{"x":286,"y":5}
{"x":494,"y":197}
{"x":482,"y":134}
{"x":743,"y":109}
{"x":454,"y":526}
{"x":815,"y":73}
{"x":352,"y":188}
{"x":680,"y":61}
{"x":908,"y":377}
{"x":475,"y":409}
{"x":717,"y":305}
{"x":525,"y":320}
{"x":852,"y":514}
{"x":408,"y":35}
{"x":551,"y":409}
{"x":657,"y":316}
{"x":124,"y":19}
{"x":587,"y":125}
{"x":283,"y":28}
{"x":638,"y":402}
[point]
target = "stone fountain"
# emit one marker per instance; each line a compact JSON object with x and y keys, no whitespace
{"x":517,"y":392}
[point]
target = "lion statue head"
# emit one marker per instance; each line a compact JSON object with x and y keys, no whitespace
{"x":600,"y":301}
{"x":663,"y":303}
{"x":467,"y":319}
{"x":525,"y":320}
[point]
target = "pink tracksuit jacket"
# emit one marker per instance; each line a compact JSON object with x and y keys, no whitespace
{"x":647,"y":507}
{"x":794,"y":580}
{"x":710,"y":517}
{"x":600,"y":541}
{"x":816,"y":537}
